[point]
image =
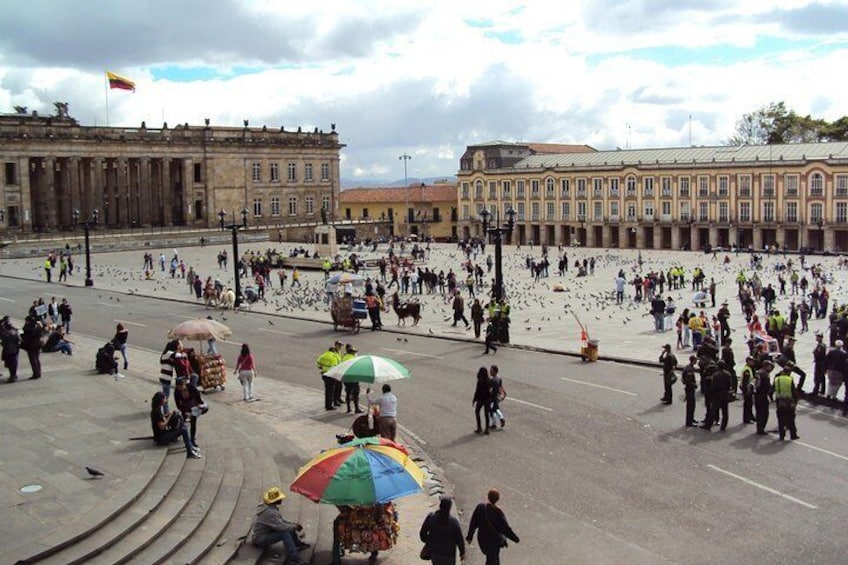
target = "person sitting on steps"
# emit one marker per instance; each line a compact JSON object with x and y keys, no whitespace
{"x":168,"y":425}
{"x":269,"y":527}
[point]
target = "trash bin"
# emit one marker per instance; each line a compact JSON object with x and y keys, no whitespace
{"x":591,"y":353}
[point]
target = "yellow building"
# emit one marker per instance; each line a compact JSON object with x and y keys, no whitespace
{"x":675,"y":198}
{"x":421,"y":210}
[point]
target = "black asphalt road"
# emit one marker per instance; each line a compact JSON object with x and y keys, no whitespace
{"x":592,"y":468}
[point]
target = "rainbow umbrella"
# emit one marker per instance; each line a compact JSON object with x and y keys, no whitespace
{"x":362,"y":472}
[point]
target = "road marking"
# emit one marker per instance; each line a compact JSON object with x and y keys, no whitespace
{"x":763,"y":487}
{"x":412,"y":353}
{"x":599,"y":386}
{"x":545,"y":408}
{"x":813,"y":447}
{"x":6,"y":299}
{"x":110,"y":305}
{"x":131,"y":323}
{"x":277,"y":332}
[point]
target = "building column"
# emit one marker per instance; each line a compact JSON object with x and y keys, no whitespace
{"x":188,"y":192}
{"x":781,"y":237}
{"x":658,"y":235}
{"x":622,"y":236}
{"x":97,"y":194}
{"x":145,"y":192}
{"x":49,"y":209}
{"x":74,"y":174}
{"x":675,"y":237}
{"x":122,"y":182}
{"x":758,"y":239}
{"x":640,"y":237}
{"x":733,"y":235}
{"x":167,"y":193}
{"x":713,"y":236}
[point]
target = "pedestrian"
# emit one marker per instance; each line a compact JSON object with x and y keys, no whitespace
{"x":498,"y":395}
{"x":325,"y":362}
{"x":492,"y":527}
{"x":689,"y":386}
{"x":442,"y":535}
{"x":32,"y":332}
{"x":482,"y":400}
{"x":351,"y":389}
{"x":246,"y":371}
{"x":720,"y":397}
{"x":746,"y":386}
{"x":762,"y":396}
{"x":65,"y":313}
{"x":477,"y":317}
{"x":819,"y":367}
{"x":269,"y":527}
{"x":166,"y":366}
{"x":53,"y":311}
{"x":835,"y":361}
{"x":387,"y":404}
{"x":491,"y":336}
{"x":459,"y":311}
{"x":48,"y":269}
{"x":786,"y":397}
{"x":120,"y":342}
{"x":11,"y":342}
{"x":669,"y":364}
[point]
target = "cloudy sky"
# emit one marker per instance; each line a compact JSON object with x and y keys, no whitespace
{"x":430,"y":77}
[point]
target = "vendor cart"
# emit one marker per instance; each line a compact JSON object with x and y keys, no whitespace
{"x":344,"y":315}
{"x":364,"y":529}
{"x":213,"y":373}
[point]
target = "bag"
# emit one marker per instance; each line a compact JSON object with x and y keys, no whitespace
{"x":501,"y":393}
{"x":673,"y":379}
{"x":425,"y":554}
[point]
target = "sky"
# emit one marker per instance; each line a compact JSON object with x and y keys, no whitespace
{"x":430,"y":77}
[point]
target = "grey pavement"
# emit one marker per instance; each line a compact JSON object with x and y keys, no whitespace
{"x":72,"y":418}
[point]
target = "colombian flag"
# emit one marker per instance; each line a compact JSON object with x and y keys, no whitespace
{"x":117,"y":81}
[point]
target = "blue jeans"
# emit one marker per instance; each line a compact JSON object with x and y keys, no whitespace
{"x":67,"y":324}
{"x":287,"y":537}
{"x":63,"y":346}
{"x":123,"y":349}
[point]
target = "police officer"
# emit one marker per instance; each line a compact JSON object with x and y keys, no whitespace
{"x":325,"y":362}
{"x":762,"y":396}
{"x":722,"y":380}
{"x":729,"y":359}
{"x":689,"y":386}
{"x":786,"y":396}
{"x":747,"y":389}
{"x":669,"y":363}
{"x":819,"y":353}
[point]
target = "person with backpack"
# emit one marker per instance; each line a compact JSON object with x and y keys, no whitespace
{"x":442,"y":535}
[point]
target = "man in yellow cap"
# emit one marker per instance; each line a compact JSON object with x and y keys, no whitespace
{"x":269,"y":527}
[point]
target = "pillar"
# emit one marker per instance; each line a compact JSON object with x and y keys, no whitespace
{"x":122,"y":208}
{"x":188,"y":192}
{"x":97,"y":186}
{"x":145,"y":193}
{"x":167,"y":193}
{"x":733,"y":235}
{"x":74,"y":173}
{"x":758,"y":239}
{"x":590,"y":236}
{"x":675,"y":237}
{"x":714,"y":236}
{"x":658,"y":235}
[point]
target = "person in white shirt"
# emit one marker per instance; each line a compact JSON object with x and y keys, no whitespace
{"x":388,"y":411}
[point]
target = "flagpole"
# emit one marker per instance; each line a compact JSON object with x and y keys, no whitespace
{"x":106,"y":85}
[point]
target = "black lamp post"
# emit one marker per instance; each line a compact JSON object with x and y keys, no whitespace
{"x":498,"y":232}
{"x":86,"y":226}
{"x":820,"y":223}
{"x":234,"y":227}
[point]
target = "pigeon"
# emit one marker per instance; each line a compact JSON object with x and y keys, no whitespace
{"x":270,"y":323}
{"x":93,"y":472}
{"x":431,"y":331}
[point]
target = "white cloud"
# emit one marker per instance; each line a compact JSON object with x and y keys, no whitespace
{"x":428,"y":78}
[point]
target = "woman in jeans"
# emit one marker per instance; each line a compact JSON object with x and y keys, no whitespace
{"x":169,"y":425}
{"x":482,"y":399}
{"x":120,"y":342}
{"x":246,"y":371}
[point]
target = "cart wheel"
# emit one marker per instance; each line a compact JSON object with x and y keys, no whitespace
{"x":335,"y":327}
{"x":223,"y":388}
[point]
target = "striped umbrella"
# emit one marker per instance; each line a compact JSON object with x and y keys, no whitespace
{"x":369,"y":369}
{"x":362,"y":472}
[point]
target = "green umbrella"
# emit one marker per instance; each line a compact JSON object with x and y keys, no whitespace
{"x":368,"y":369}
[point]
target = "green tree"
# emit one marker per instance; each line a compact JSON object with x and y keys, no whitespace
{"x":773,"y":124}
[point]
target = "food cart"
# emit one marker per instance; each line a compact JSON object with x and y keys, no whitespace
{"x":348,"y":312}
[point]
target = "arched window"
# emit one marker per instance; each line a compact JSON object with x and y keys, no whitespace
{"x":478,"y":190}
{"x":816,"y":184}
{"x":631,"y":186}
{"x":550,"y":187}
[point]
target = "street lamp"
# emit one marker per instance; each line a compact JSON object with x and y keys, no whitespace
{"x":234,"y":227}
{"x":498,"y":232}
{"x":86,"y":226}
{"x":820,"y":223}
{"x":406,"y":157}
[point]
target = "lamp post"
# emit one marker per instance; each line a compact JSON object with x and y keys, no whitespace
{"x":234,"y":228}
{"x":406,"y":157}
{"x":820,"y":223}
{"x":86,"y":227}
{"x":498,"y":232}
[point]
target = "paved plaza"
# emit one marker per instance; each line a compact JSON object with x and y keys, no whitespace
{"x":540,"y":316}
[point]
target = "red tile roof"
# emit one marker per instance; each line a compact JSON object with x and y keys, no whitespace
{"x":427,"y":193}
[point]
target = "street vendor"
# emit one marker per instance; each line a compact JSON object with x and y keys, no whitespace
{"x":269,"y":527}
{"x":387,"y":403}
{"x":364,"y":529}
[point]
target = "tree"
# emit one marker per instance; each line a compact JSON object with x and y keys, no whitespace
{"x":773,"y":124}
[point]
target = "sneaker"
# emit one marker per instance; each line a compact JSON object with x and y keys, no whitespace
{"x":503,"y":422}
{"x":118,"y":376}
{"x":194,"y":455}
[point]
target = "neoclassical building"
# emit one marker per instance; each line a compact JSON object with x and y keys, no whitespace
{"x":168,"y":176}
{"x":674,"y":198}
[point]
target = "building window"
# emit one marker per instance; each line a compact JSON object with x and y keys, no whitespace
{"x":665,"y":187}
{"x":493,"y":190}
{"x":598,"y":188}
{"x":613,"y":182}
{"x":816,"y":212}
{"x":347,"y":213}
{"x":630,"y":186}
{"x":198,"y":173}
{"x":478,"y":190}
{"x":11,"y":174}
{"x":310,"y":205}
{"x":275,"y":205}
{"x":325,"y":171}
{"x":534,"y":188}
{"x":703,"y":211}
{"x":566,"y":210}
{"x":790,"y":184}
{"x":507,"y":189}
{"x":325,"y":203}
{"x":581,"y":188}
{"x":841,"y":182}
{"x":816,"y":184}
{"x":465,"y":190}
{"x":365,"y":212}
{"x":535,"y":209}
{"x":744,"y":211}
{"x":257,"y":207}
{"x":257,"y":172}
{"x":723,"y":186}
{"x":307,"y":173}
{"x":550,"y":210}
{"x":565,"y":188}
{"x":841,"y":212}
{"x":648,"y":211}
{"x":613,"y":211}
{"x":631,"y":211}
{"x":768,"y":186}
{"x":292,"y":205}
{"x":598,"y":211}
{"x":768,"y":211}
{"x":465,"y":211}
{"x":703,"y":185}
{"x":581,"y":211}
{"x":683,"y":185}
{"x":550,"y":188}
{"x":791,"y":211}
{"x":520,"y":211}
{"x":648,"y":186}
{"x":685,"y":211}
{"x":292,"y":172}
{"x":519,"y":188}
{"x":275,"y":172}
{"x":723,"y":212}
{"x":437,"y":217}
{"x":744,"y":182}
